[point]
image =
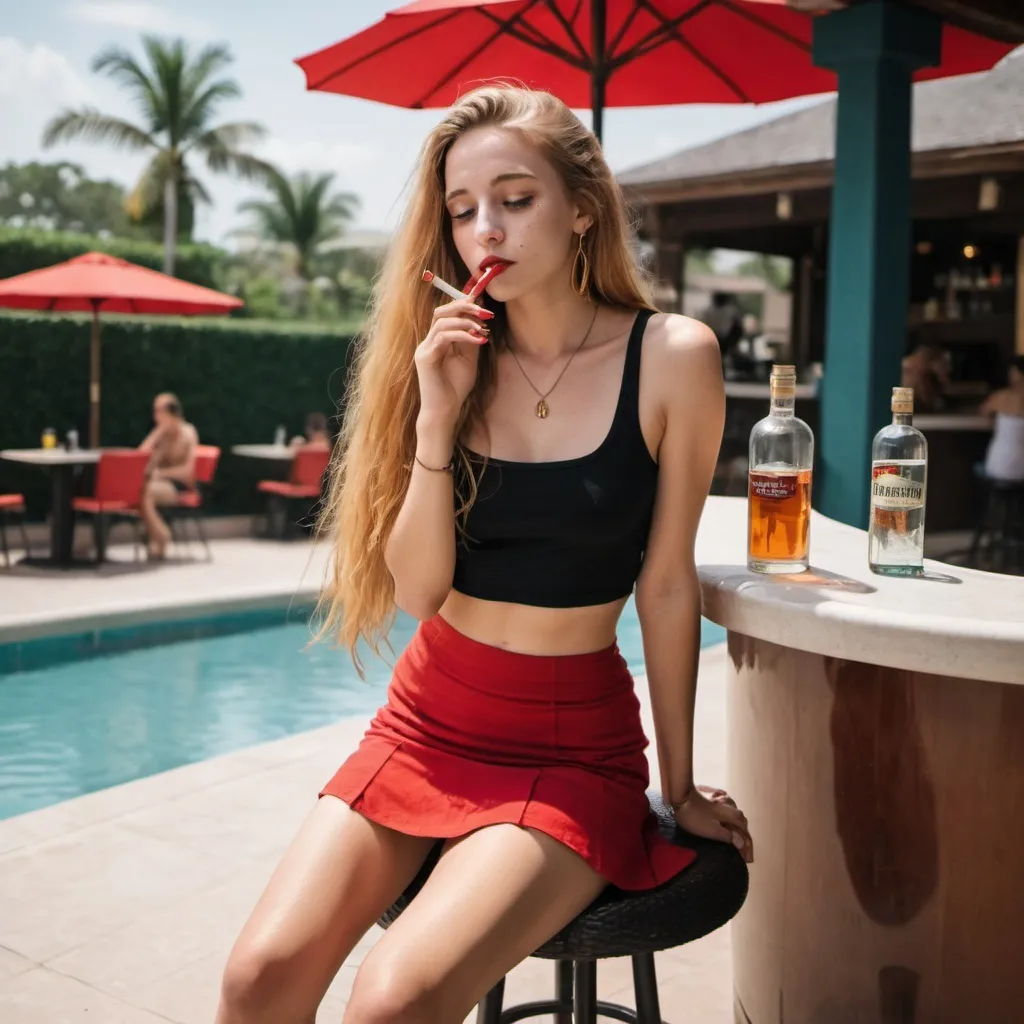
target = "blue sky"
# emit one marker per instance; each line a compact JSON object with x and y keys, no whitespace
{"x":46,"y":47}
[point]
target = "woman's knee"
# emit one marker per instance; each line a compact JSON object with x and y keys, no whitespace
{"x":255,"y":977}
{"x":386,"y":992}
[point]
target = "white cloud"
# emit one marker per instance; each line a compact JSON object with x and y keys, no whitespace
{"x":314,"y":155}
{"x":38,"y":77}
{"x":37,"y":82}
{"x":139,"y":16}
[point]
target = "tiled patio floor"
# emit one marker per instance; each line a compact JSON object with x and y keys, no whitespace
{"x":120,"y":907}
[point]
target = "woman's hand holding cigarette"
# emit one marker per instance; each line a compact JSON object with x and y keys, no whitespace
{"x":446,"y":359}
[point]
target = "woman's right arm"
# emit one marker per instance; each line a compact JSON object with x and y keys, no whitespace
{"x":420,"y":551}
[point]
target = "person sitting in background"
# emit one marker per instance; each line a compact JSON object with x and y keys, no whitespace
{"x":316,"y":435}
{"x":1004,"y":459}
{"x":171,"y":470}
{"x":926,"y":370}
{"x":723,"y":317}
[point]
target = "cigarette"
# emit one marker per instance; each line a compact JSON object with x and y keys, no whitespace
{"x":443,"y":286}
{"x":482,"y":280}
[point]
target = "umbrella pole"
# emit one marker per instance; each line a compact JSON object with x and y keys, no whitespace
{"x":94,"y":378}
{"x":598,"y":72}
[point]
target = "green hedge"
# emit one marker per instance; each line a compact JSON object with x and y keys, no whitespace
{"x":237,"y":381}
{"x":24,"y":249}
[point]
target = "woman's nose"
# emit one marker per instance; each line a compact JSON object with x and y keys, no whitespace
{"x":488,"y":231}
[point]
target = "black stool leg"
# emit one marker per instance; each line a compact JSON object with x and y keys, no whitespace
{"x":563,"y":989}
{"x":645,"y":984}
{"x":489,"y":1009}
{"x":586,"y":992}
{"x":3,"y":542}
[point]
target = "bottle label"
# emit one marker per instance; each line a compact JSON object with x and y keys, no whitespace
{"x":897,"y":487}
{"x":774,"y":486}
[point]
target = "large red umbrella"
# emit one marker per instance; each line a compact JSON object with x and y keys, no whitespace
{"x":597,"y":53}
{"x":95,"y":282}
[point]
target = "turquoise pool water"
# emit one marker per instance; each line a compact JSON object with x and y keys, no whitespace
{"x":82,"y":713}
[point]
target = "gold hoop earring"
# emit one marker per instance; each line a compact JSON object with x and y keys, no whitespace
{"x":582,"y":285}
{"x":581,"y":276}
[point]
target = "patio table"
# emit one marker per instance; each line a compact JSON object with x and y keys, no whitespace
{"x":61,"y":465}
{"x":282,"y":455}
{"x":270,"y":452}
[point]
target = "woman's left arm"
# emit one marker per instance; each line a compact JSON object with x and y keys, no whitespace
{"x":691,"y":395}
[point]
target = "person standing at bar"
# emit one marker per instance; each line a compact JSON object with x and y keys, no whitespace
{"x":1004,"y":459}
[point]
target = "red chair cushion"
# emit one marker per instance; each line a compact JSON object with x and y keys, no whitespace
{"x":12,"y":502}
{"x":287,"y":490}
{"x":95,"y":507}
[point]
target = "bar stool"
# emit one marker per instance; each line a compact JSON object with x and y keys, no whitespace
{"x":689,"y":906}
{"x":999,"y":535}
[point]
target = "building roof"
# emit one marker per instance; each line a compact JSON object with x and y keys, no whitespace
{"x":965,"y":112}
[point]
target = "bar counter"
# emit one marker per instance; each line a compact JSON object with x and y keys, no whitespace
{"x":876,"y":744}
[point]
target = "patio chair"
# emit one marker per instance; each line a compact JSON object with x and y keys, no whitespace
{"x":12,"y":505}
{"x":190,"y":503}
{"x":305,"y":479}
{"x":120,"y":478}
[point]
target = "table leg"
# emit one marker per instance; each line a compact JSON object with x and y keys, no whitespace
{"x":62,"y":516}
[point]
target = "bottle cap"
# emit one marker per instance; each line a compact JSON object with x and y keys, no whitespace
{"x":903,"y":400}
{"x":783,"y":380}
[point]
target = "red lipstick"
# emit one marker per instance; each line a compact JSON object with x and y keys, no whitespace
{"x":490,"y":267}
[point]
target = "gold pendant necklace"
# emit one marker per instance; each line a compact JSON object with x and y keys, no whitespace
{"x":542,"y":409}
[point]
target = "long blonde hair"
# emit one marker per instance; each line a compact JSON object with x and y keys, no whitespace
{"x":372,"y":463}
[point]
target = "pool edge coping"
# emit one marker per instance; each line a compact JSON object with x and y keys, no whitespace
{"x":36,"y":627}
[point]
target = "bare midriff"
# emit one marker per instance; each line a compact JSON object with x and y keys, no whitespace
{"x":526,"y":629}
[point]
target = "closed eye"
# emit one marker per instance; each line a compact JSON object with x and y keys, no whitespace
{"x":512,"y":204}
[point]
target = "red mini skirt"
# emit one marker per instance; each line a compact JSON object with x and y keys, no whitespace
{"x":474,"y":735}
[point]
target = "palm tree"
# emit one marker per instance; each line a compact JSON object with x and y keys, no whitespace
{"x":302,"y":213}
{"x":178,"y":95}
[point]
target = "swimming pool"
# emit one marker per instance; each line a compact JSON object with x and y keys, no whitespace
{"x":82,"y":713}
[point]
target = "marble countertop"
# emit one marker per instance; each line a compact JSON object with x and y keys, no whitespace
{"x":972,"y":628}
{"x":952,"y":421}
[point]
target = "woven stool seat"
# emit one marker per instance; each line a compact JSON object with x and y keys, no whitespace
{"x":694,"y":903}
{"x":697,"y":901}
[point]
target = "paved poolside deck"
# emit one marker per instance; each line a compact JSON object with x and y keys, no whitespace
{"x":243,"y":573}
{"x":120,"y":907}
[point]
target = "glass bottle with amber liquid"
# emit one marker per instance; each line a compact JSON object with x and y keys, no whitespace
{"x":899,"y":479}
{"x":779,"y":483}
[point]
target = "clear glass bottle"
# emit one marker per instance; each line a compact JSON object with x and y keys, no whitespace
{"x":899,"y":481}
{"x":779,"y":483}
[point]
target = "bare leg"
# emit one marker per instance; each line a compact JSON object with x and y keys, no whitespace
{"x":157,"y":492}
{"x":336,"y":879}
{"x":495,"y":896}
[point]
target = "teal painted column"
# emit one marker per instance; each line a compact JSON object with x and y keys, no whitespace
{"x":874,"y":47}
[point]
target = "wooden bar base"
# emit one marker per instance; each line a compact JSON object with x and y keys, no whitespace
{"x":887,"y":810}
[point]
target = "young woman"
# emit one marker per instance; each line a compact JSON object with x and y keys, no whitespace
{"x":510,"y":468}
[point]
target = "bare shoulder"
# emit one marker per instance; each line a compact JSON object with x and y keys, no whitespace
{"x":681,"y":344}
{"x":686,"y":357}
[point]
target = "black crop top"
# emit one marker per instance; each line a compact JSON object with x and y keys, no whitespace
{"x":569,"y":533}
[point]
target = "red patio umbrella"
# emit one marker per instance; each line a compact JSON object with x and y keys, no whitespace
{"x":97,"y":281}
{"x":597,"y":53}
